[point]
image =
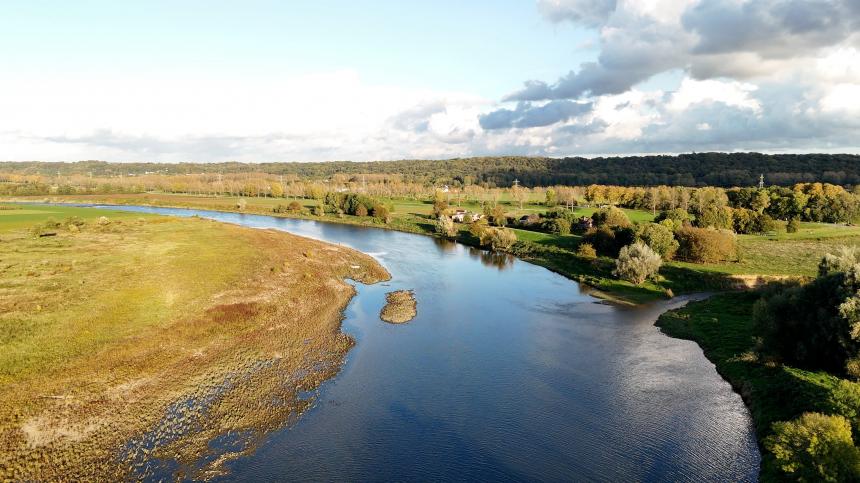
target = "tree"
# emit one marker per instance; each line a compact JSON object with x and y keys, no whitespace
{"x":676,"y":217}
{"x":558,"y":226}
{"x":710,"y":207}
{"x":551,"y":198}
{"x":815,"y":447}
{"x":519,"y":194}
{"x":497,"y":215}
{"x":445,"y":226}
{"x":502,"y":238}
{"x":610,"y":217}
{"x":637,"y":263}
{"x":816,"y":325}
{"x":660,"y":239}
{"x":277,"y":190}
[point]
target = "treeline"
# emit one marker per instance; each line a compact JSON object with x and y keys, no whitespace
{"x":695,"y":169}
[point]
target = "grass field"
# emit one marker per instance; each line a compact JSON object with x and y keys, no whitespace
{"x":723,"y":327}
{"x":105,"y":327}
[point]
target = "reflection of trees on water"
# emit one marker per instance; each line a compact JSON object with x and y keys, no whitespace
{"x":500,"y":261}
{"x":492,"y":259}
{"x":444,"y":245}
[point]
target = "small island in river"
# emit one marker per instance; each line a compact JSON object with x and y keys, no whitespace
{"x":400,"y":307}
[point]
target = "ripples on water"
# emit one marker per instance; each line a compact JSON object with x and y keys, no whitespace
{"x":507,"y":373}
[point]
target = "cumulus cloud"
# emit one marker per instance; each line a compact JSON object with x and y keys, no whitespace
{"x":528,"y":115}
{"x":753,"y":74}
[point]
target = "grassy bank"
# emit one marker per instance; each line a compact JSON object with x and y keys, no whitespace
{"x":775,"y":256}
{"x":136,"y":337}
{"x":723,"y":327}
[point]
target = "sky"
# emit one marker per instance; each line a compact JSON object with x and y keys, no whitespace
{"x":263,"y":81}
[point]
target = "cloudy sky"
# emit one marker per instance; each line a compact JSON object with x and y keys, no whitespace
{"x":327,"y":79}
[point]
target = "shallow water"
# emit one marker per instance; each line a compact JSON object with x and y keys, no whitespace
{"x":508,"y":372}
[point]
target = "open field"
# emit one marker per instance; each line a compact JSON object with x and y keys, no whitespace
{"x":149,"y":336}
{"x":723,"y":327}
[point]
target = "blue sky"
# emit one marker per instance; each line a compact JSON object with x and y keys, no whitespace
{"x":479,"y":46}
{"x":322,"y":80}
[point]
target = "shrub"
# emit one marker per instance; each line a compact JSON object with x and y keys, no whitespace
{"x":104,"y":221}
{"x":445,"y":226}
{"x":792,"y":226}
{"x":610,"y":217}
{"x":294,"y":206}
{"x":841,"y":261}
{"x":241,"y":204}
{"x":279,"y":208}
{"x":704,"y":245}
{"x":673,"y":219}
{"x":360,"y":210}
{"x":660,"y":239}
{"x":586,"y":251}
{"x":558,"y":226}
{"x":815,"y":447}
{"x":608,"y":241}
{"x":502,"y":238}
{"x":497,"y":215}
{"x":381,"y":213}
{"x":637,"y":263}
{"x":318,"y":211}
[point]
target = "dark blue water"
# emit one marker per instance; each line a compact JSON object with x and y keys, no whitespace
{"x":508,"y":372}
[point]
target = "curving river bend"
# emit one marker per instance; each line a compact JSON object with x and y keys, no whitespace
{"x":508,"y":372}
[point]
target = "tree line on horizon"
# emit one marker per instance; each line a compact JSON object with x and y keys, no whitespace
{"x":694,"y":169}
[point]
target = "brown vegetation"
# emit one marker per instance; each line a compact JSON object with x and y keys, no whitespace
{"x":135,"y":341}
{"x":400,"y":307}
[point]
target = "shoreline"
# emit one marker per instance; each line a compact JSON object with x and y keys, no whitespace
{"x":175,"y":386}
{"x":607,"y":295}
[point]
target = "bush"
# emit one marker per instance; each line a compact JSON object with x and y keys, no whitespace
{"x":502,"y":239}
{"x":294,"y":206}
{"x":318,"y":211}
{"x":660,"y":239}
{"x":792,"y":226}
{"x":704,"y":245}
{"x":445,"y":226}
{"x":241,"y":204}
{"x":360,"y":210}
{"x":673,"y":219}
{"x":610,"y":217}
{"x":558,"y":226}
{"x":637,"y":263}
{"x":609,"y":241}
{"x":586,"y":251}
{"x":815,"y":447}
{"x":381,"y":213}
{"x":841,"y":261}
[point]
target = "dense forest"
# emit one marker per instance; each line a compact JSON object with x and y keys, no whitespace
{"x":696,"y":169}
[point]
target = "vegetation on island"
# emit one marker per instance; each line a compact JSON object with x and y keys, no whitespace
{"x":129,"y":338}
{"x":400,"y":307}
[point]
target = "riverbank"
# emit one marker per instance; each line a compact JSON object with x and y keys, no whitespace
{"x":555,"y":256}
{"x":129,"y":338}
{"x":723,"y":327}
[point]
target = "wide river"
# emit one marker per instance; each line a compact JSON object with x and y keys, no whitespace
{"x":509,"y":372}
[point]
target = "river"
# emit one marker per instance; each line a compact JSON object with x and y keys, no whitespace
{"x":509,"y":372}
